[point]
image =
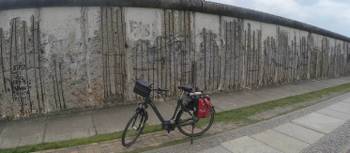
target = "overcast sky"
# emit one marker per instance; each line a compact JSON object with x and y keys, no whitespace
{"x":333,"y":15}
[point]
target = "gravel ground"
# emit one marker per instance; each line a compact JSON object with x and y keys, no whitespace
{"x":336,"y":141}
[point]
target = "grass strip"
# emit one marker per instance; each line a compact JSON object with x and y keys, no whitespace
{"x":243,"y":114}
{"x":75,"y":142}
{"x":235,"y":115}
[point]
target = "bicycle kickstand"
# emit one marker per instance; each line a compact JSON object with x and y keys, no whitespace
{"x":192,"y":134}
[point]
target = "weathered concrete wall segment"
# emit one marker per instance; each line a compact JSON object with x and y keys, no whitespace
{"x":188,"y":5}
{"x":57,"y":58}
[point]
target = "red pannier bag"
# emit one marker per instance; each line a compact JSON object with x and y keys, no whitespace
{"x":204,"y":107}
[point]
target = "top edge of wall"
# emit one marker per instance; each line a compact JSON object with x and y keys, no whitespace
{"x":190,"y":5}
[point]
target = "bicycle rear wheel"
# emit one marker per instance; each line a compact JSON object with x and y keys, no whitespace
{"x":134,"y":128}
{"x":189,"y":125}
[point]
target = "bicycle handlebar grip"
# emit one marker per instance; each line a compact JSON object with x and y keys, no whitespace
{"x":196,"y":93}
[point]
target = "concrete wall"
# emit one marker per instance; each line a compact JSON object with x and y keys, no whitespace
{"x":58,"y":58}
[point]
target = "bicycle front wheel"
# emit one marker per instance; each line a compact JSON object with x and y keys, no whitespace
{"x":189,"y":125}
{"x":134,"y":128}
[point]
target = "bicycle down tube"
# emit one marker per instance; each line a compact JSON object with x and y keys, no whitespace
{"x":157,"y":112}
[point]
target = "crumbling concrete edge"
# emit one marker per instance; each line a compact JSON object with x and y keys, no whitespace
{"x":190,"y":5}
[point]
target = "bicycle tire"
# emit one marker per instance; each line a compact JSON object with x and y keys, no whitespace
{"x":198,"y":133}
{"x":141,"y":126}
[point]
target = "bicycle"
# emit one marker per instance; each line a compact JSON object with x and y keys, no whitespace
{"x":183,"y":118}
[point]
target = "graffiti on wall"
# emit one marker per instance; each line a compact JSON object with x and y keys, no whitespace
{"x":113,"y":46}
{"x":23,"y":74}
{"x":19,"y":84}
{"x":20,"y":64}
{"x":40,"y":75}
{"x":166,"y":68}
{"x":139,"y":30}
{"x":166,"y":61}
{"x":245,"y":60}
{"x":209,"y":63}
{"x":57,"y":86}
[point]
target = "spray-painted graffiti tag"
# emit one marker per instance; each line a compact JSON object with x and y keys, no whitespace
{"x":20,"y":85}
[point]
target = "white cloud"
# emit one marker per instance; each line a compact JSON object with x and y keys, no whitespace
{"x":333,"y":15}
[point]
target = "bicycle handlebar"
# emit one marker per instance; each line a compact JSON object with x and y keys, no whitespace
{"x":161,"y":91}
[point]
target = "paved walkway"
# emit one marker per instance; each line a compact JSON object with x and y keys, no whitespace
{"x":320,"y":128}
{"x":90,"y":123}
{"x":291,"y":137}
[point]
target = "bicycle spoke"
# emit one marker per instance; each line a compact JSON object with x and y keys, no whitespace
{"x":188,"y":122}
{"x":133,"y":129}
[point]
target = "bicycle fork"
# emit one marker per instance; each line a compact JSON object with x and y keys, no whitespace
{"x":140,"y":110}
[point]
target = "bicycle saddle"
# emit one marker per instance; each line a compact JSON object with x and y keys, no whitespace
{"x":186,"y":88}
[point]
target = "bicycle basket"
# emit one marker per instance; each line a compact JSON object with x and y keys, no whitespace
{"x":142,"y":88}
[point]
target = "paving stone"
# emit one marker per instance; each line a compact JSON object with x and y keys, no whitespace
{"x":280,"y":141}
{"x":300,"y":133}
{"x":21,"y":133}
{"x":235,"y":100}
{"x":218,"y":149}
{"x":109,"y":120}
{"x":267,"y":95}
{"x":69,"y":127}
{"x":300,"y":88}
{"x":335,"y":114}
{"x":9,"y":142}
{"x":248,"y":145}
{"x":346,"y":101}
{"x":2,"y":126}
{"x":340,"y":107}
{"x":307,"y":87}
{"x":284,"y":91}
{"x":319,"y":122}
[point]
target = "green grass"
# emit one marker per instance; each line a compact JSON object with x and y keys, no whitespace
{"x":63,"y":144}
{"x":170,"y":143}
{"x":240,"y":115}
{"x":243,"y":114}
{"x":74,"y":142}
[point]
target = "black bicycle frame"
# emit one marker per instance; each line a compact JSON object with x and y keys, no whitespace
{"x":148,"y":101}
